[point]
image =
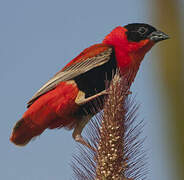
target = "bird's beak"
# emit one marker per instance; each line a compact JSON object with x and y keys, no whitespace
{"x":157,"y":36}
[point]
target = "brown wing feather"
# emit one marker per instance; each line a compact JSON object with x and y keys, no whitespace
{"x":82,"y":65}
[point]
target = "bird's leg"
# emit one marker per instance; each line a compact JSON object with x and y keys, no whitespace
{"x":80,"y":139}
{"x":80,"y":100}
{"x":78,"y":130}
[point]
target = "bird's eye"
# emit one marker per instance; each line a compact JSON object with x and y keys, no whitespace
{"x":142,"y":30}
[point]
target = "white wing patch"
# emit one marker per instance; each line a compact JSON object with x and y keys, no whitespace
{"x":71,"y":72}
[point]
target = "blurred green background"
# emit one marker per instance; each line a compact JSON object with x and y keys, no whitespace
{"x":169,"y":16}
{"x":38,"y":37}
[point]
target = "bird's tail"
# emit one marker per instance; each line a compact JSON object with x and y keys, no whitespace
{"x":23,"y":131}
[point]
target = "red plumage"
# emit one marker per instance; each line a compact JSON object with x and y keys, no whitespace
{"x":64,"y":100}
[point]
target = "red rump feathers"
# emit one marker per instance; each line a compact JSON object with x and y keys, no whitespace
{"x":64,"y":101}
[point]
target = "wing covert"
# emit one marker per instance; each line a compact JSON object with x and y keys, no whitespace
{"x":102,"y":54}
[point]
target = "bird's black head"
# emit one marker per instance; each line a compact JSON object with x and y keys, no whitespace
{"x":139,"y":31}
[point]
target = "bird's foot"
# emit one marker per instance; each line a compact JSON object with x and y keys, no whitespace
{"x":80,"y":100}
{"x":80,"y":139}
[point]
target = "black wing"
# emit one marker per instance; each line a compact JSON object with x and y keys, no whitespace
{"x":74,"y":71}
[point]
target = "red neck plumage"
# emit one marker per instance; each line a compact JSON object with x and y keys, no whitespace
{"x":128,"y":54}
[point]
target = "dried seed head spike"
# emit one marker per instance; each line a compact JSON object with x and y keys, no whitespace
{"x":116,"y":137}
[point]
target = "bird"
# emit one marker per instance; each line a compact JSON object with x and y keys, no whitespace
{"x":64,"y":101}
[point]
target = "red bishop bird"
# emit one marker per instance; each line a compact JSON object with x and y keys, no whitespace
{"x":64,"y":100}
